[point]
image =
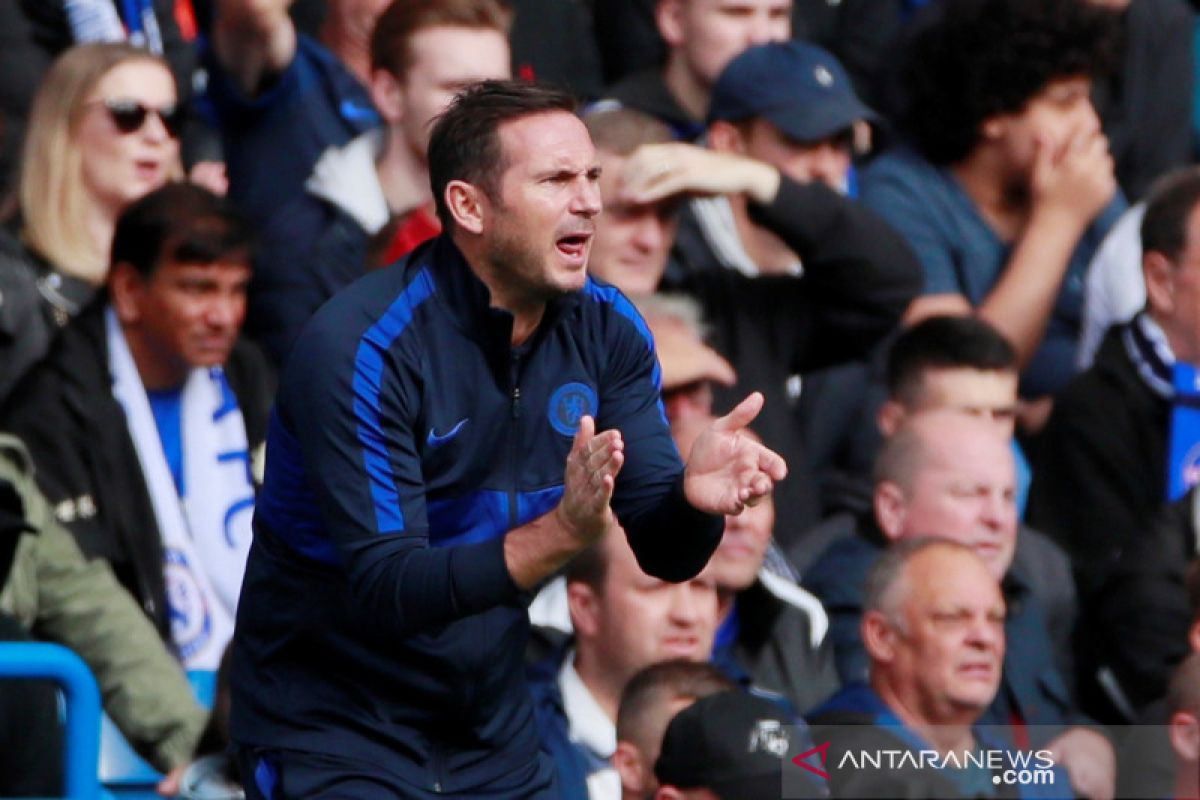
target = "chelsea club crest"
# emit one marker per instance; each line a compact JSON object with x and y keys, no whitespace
{"x":569,"y":403}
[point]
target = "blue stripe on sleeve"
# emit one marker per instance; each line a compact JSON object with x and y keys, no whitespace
{"x":484,"y":514}
{"x":621,"y":304}
{"x":368,"y":378}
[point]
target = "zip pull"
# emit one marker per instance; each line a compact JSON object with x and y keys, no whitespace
{"x":516,"y":402}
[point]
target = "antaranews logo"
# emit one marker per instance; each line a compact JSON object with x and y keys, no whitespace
{"x":888,"y":764}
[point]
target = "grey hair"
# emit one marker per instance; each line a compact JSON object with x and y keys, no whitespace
{"x":886,"y":582}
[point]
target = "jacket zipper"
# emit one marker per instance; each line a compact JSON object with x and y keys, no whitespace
{"x":514,"y":441}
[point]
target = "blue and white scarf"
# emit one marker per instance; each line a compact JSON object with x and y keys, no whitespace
{"x":205,"y":534}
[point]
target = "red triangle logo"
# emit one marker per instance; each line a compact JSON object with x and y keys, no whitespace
{"x":822,"y":750}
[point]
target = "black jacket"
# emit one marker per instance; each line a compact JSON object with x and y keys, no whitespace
{"x":87,"y":467}
{"x":859,"y":276}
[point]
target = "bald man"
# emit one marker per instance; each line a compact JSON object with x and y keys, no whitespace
{"x":933,"y":629}
{"x":950,"y":475}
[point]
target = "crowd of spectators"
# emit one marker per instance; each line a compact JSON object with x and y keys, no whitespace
{"x":955,"y":244}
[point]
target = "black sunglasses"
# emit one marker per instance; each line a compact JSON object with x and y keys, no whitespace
{"x":129,"y":116}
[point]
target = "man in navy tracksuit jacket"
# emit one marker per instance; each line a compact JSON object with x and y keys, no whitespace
{"x":416,"y":490}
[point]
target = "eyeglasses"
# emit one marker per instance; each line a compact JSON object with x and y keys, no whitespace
{"x":130,"y":115}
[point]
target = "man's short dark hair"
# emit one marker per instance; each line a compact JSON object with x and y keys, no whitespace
{"x":664,"y":682}
{"x":182,"y":222}
{"x":944,"y":342}
{"x":968,"y":60}
{"x":1168,"y":207}
{"x":590,"y":566}
{"x":465,"y":143}
{"x":402,"y":19}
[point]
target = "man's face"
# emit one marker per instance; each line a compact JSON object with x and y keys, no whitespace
{"x":689,"y":403}
{"x":964,"y":491}
{"x":540,"y":225}
{"x":188,"y":315}
{"x":712,"y":32}
{"x":632,"y":241}
{"x":949,"y":648}
{"x":735,"y":564}
{"x":641,"y":620}
{"x":636,"y":767}
{"x":989,"y":394}
{"x":1180,"y":316}
{"x":827,"y":161}
{"x":1053,"y":116}
{"x":444,"y":61}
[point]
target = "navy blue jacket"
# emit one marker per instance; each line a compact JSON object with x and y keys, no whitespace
{"x":378,"y":622}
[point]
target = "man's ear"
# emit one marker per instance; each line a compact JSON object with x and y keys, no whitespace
{"x":1184,"y":732}
{"x":725,"y":137}
{"x":584,"y":606}
{"x":125,"y":290}
{"x":1159,"y":274}
{"x":890,"y":415}
{"x":891,"y":509}
{"x":467,"y":205}
{"x":879,"y":638}
{"x":387,"y":95}
{"x":1194,"y":636}
{"x":668,"y":16}
{"x":628,"y":762}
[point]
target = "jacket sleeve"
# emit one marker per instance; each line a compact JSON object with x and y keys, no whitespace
{"x":859,"y":277}
{"x":671,"y":539}
{"x":347,"y":417}
{"x":79,"y":604}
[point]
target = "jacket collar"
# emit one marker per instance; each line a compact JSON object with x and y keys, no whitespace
{"x":469,"y":301}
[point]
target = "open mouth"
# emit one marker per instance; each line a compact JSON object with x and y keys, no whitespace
{"x":574,"y":245}
{"x":147,"y":168}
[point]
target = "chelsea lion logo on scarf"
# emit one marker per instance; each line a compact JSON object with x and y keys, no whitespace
{"x":191,"y":620}
{"x":569,"y":403}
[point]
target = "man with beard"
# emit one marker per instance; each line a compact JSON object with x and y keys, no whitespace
{"x":416,"y":488}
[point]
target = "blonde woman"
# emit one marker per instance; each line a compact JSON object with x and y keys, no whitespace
{"x":103,"y":131}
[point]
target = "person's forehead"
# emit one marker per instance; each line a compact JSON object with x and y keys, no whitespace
{"x":230,"y":267}
{"x":943,"y":578}
{"x":735,"y":6}
{"x":444,"y":53}
{"x":547,"y":140}
{"x":135,"y":78}
{"x":611,"y":165}
{"x":956,"y":386}
{"x":966,"y":453}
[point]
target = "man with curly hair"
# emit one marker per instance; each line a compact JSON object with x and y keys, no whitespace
{"x":1006,"y":186}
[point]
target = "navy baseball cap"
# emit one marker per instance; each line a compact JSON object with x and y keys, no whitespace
{"x":798,"y":87}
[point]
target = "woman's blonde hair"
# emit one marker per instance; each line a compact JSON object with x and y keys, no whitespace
{"x":50,"y":188}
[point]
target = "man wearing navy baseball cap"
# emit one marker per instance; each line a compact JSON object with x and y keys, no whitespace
{"x":791,"y":105}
